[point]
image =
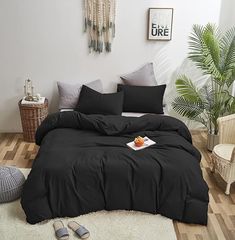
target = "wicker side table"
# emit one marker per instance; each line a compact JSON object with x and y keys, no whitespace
{"x":31,"y":117}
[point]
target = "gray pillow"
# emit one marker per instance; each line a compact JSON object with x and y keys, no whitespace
{"x":69,"y":93}
{"x":142,"y":77}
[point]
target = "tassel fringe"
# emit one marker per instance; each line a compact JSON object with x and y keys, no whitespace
{"x":99,"y":23}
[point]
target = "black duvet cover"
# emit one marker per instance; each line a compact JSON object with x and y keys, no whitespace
{"x":84,"y":165}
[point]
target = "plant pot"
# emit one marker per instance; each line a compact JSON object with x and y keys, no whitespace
{"x":212,"y":140}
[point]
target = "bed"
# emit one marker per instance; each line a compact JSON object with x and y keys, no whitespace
{"x":84,"y":165}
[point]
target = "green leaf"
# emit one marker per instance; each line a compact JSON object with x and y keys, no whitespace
{"x":231,"y":105}
{"x":207,"y":94}
{"x":187,"y":89}
{"x":227,"y":45}
{"x":204,"y":45}
{"x":187,"y":109}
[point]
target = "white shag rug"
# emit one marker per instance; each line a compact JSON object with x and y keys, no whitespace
{"x":103,"y":225}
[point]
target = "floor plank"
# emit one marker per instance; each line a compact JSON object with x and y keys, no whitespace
{"x":221,"y":213}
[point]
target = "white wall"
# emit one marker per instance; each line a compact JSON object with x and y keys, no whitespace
{"x":43,"y":40}
{"x":226,"y":21}
{"x":227,"y":16}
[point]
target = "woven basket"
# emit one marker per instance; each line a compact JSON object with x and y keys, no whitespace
{"x":31,"y":117}
{"x":11,"y":183}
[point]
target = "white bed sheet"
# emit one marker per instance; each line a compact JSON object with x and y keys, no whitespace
{"x":125,"y":114}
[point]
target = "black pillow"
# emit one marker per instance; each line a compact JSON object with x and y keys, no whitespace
{"x":144,"y":99}
{"x":93,"y":102}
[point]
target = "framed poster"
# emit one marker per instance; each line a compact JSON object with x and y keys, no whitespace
{"x":160,"y":24}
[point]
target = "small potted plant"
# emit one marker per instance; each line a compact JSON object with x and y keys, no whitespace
{"x":214,"y":53}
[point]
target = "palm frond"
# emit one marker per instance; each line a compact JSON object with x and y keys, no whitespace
{"x":227,"y":45}
{"x":187,"y":89}
{"x":230,"y":81}
{"x":187,"y":109}
{"x":208,"y":96}
{"x":211,"y":38}
{"x":195,"y":44}
{"x":230,"y":105}
{"x":205,"y":49}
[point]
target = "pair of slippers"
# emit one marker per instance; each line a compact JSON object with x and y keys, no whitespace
{"x":61,"y":231}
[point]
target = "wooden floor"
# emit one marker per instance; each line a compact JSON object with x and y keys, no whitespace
{"x":221,"y":215}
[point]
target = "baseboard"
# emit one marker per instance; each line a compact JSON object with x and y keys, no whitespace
{"x":198,"y":130}
{"x":4,"y":134}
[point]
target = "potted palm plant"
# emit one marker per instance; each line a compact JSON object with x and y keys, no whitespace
{"x":214,"y":53}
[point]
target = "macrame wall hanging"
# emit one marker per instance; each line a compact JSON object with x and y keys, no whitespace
{"x":99,"y":21}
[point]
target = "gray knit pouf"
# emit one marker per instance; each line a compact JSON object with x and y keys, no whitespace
{"x":11,"y":183}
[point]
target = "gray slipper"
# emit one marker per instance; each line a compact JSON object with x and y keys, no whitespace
{"x":61,"y":232}
{"x":81,"y":231}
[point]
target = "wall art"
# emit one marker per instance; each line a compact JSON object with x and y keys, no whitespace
{"x":99,"y":23}
{"x":160,"y":24}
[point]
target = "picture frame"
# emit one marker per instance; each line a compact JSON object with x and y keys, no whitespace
{"x":160,"y":22}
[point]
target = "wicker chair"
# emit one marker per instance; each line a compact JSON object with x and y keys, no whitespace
{"x":223,"y":154}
